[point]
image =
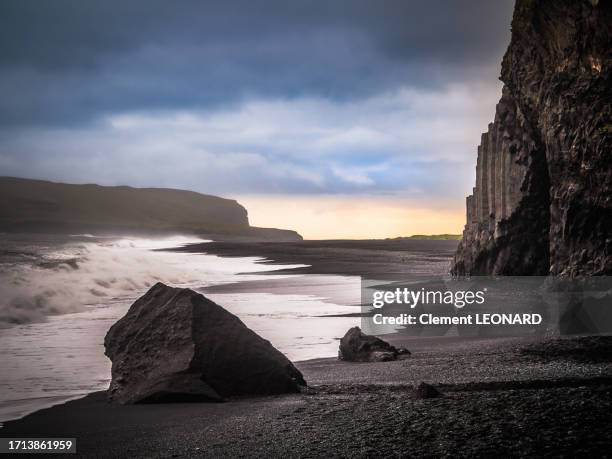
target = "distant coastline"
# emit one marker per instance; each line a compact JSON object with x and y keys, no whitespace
{"x":430,"y":237}
{"x":38,"y":206}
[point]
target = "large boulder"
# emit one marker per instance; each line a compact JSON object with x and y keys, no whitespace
{"x":176,"y":345}
{"x":356,"y":346}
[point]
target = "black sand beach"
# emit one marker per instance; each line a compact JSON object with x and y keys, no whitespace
{"x":382,"y":258}
{"x":509,"y":396}
{"x":513,"y":397}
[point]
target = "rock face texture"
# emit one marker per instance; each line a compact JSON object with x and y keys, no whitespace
{"x":356,"y":346}
{"x":543,"y":196}
{"x":176,"y":345}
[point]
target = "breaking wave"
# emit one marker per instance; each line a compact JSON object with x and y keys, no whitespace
{"x":38,"y":280}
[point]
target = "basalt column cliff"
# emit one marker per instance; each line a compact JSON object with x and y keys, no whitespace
{"x":543,"y":196}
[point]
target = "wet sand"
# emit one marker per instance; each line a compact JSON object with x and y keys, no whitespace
{"x":514,"y":397}
{"x":325,"y":260}
{"x":380,"y":258}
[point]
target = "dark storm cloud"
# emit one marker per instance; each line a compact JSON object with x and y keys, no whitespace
{"x":251,"y":96}
{"x":66,"y":62}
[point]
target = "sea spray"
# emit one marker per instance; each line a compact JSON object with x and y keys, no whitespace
{"x":38,"y":279}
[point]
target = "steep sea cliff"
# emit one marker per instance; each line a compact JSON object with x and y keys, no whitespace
{"x":542,"y":202}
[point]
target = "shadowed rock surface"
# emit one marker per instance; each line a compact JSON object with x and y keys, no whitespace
{"x":356,"y":346}
{"x":176,"y":345}
{"x":543,"y":195}
{"x":425,"y":390}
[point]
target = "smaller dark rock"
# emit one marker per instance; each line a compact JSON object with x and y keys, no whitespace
{"x":356,"y":346}
{"x":425,"y":390}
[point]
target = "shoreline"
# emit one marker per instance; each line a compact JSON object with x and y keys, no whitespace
{"x":525,"y":396}
{"x":554,"y":394}
{"x":376,"y":258}
{"x":40,"y":386}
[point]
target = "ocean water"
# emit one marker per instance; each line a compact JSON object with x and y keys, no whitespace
{"x":60,"y":295}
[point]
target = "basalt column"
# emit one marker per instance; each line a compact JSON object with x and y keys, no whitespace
{"x":543,"y":196}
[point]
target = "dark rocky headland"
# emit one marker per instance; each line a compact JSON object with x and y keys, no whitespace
{"x":543,"y":196}
{"x":38,"y":206}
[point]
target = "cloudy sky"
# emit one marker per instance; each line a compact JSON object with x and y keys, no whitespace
{"x":341,"y":118}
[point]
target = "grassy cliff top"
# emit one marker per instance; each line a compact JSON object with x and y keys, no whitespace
{"x":434,"y":237}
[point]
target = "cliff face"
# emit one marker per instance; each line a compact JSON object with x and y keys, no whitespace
{"x":40,"y":206}
{"x":543,"y":196}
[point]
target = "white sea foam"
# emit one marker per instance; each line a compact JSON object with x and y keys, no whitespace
{"x":59,"y":300}
{"x":82,"y":274}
